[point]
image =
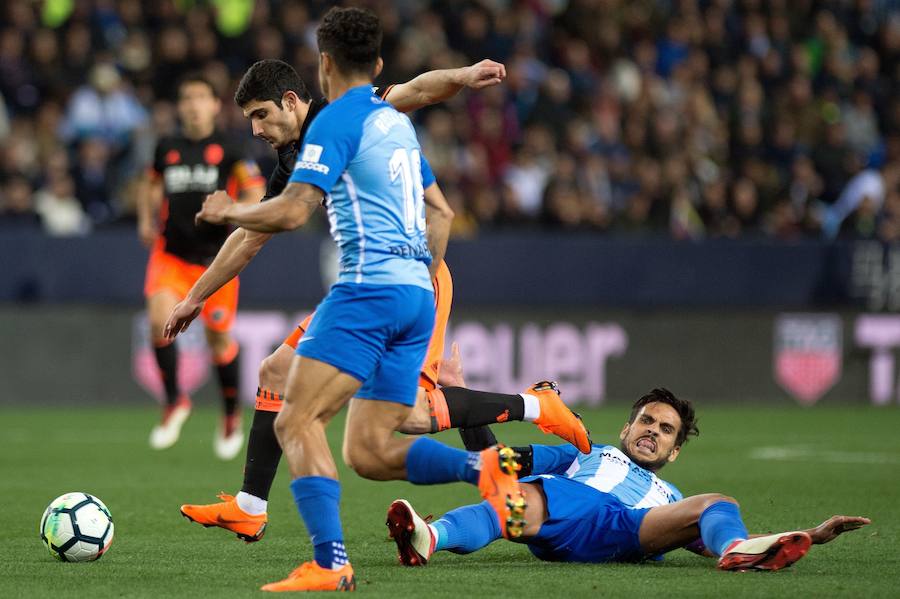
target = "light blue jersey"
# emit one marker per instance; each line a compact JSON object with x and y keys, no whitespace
{"x":365,"y":156}
{"x":606,"y":469}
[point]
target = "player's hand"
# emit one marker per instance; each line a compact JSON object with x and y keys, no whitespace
{"x":483,"y":74}
{"x":183,"y":314}
{"x":450,"y":373}
{"x":835,"y":526}
{"x":147,"y":233}
{"x":214,"y":209}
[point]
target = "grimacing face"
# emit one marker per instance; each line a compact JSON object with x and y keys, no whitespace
{"x":277,"y":126}
{"x":650,"y":440}
{"x":198,"y":106}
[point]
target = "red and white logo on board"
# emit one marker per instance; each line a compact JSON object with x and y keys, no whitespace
{"x":808,"y":354}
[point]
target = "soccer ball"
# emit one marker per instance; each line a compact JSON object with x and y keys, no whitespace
{"x":77,"y":527}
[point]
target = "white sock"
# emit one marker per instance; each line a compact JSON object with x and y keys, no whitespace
{"x":434,"y":532}
{"x":532,"y":407}
{"x":251,"y":504}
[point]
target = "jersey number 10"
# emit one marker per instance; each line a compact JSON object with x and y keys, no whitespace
{"x":407,"y":165}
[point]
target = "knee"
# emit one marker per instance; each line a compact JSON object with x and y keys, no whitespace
{"x":713,"y":498}
{"x":364,"y":460}
{"x":270,"y":375}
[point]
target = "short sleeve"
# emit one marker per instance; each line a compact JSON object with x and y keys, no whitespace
{"x":427,"y":174}
{"x":552,"y":459}
{"x":329,"y":145}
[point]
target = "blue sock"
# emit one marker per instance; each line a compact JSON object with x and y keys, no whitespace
{"x":317,"y":499}
{"x":429,"y":463}
{"x":721,"y":525}
{"x":467,"y":529}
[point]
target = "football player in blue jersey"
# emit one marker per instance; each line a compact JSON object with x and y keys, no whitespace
{"x":610,"y":506}
{"x":368,"y":340}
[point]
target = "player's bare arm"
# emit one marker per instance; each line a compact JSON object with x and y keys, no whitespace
{"x":149,"y":199}
{"x":251,"y":195}
{"x":440,"y":85}
{"x":438,"y":217}
{"x":285,"y":212}
{"x":236,"y":253}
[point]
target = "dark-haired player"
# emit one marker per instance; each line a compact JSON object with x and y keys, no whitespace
{"x":275,"y":99}
{"x":370,"y":335}
{"x":186,"y":168}
{"x":610,"y":506}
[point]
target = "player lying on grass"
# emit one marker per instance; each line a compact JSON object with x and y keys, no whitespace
{"x":275,"y":99}
{"x":540,"y":404}
{"x":608,"y":506}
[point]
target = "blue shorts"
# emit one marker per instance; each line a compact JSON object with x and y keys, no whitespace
{"x":378,"y":334}
{"x":585,"y":525}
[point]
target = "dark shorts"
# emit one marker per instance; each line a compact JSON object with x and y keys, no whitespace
{"x":585,"y":525}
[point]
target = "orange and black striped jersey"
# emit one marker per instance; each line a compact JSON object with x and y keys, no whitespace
{"x":190,"y":170}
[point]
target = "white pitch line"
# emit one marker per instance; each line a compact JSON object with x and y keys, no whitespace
{"x":800,"y":453}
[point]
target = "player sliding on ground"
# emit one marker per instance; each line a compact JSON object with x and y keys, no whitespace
{"x":277,"y":102}
{"x":609,"y":506}
{"x":371,"y":332}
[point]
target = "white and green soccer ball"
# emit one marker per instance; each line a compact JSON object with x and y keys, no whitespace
{"x":77,"y":527}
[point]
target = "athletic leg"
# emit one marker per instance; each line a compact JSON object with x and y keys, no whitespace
{"x":177,"y":406}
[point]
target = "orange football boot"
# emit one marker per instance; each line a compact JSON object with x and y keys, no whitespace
{"x":499,"y":484}
{"x":557,"y":418}
{"x":228,"y":515}
{"x":310,"y":576}
{"x":772,"y":552}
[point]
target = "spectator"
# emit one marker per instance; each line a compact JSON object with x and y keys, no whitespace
{"x":16,"y":207}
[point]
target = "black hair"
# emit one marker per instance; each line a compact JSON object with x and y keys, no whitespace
{"x":196,"y":77}
{"x":352,"y":37}
{"x":683,"y":406}
{"x":270,"y":79}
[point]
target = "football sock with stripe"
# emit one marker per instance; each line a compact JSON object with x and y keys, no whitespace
{"x":458,"y":407}
{"x":263,"y":449}
{"x":467,"y":529}
{"x":228,"y":371}
{"x":167,"y":360}
{"x":317,"y":499}
{"x":429,"y":462}
{"x":721,"y":525}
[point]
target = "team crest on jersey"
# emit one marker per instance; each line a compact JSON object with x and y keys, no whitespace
{"x":213,"y":154}
{"x":173,"y":157}
{"x":808,"y":354}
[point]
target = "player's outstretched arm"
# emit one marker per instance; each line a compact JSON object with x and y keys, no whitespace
{"x":438,"y":218}
{"x":285,"y":212}
{"x":834,"y":527}
{"x":234,"y":255}
{"x":440,"y":85}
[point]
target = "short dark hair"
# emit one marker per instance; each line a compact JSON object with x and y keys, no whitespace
{"x":270,"y":79}
{"x":352,"y":37}
{"x":683,"y":406}
{"x":196,"y":77}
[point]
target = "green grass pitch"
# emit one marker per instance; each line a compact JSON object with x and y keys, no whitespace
{"x":827,"y":460}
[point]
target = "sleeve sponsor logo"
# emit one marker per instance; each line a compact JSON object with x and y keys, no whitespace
{"x":311,"y":153}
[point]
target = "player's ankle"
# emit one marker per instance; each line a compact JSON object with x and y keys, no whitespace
{"x":532,"y":407}
{"x":251,"y":504}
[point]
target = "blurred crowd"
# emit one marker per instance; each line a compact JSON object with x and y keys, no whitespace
{"x":688,"y":118}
